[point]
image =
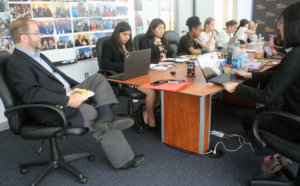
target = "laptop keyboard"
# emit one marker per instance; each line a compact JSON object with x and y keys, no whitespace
{"x":224,"y":78}
{"x":117,"y":76}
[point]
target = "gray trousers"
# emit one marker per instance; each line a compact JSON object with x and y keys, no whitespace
{"x":113,"y":142}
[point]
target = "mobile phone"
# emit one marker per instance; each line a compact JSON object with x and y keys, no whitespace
{"x":159,"y":82}
{"x":176,"y":81}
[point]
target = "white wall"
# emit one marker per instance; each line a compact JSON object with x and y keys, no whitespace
{"x":244,"y":10}
{"x":184,"y":11}
{"x":205,"y":9}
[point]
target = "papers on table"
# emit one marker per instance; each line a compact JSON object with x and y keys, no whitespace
{"x":160,"y":67}
{"x":177,"y":60}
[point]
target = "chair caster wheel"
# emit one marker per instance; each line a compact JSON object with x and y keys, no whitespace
{"x":83,"y":180}
{"x":23,"y":171}
{"x":91,"y":158}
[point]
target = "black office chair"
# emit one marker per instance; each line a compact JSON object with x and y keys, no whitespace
{"x":21,"y":124}
{"x":120,"y":89}
{"x":287,"y":148}
{"x":173,"y":41}
{"x":137,"y":41}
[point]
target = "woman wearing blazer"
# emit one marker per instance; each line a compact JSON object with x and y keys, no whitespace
{"x":115,"y":48}
{"x":154,"y":39}
{"x":284,"y":82}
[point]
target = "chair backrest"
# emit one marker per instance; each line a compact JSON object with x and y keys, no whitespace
{"x":99,"y":48}
{"x":9,"y":98}
{"x":173,"y":41}
{"x":137,"y":41}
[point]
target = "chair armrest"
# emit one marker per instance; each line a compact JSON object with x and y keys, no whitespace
{"x":11,"y":110}
{"x":276,"y":113}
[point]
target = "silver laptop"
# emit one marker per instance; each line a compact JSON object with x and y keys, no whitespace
{"x":213,"y":71}
{"x":136,"y":63}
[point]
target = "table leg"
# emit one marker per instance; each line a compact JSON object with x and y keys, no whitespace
{"x":186,"y":121}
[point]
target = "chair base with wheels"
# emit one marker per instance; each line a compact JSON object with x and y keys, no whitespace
{"x":57,"y":160}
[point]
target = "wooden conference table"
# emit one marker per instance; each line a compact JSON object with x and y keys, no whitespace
{"x":186,"y":114}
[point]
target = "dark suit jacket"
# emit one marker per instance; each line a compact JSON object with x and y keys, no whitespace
{"x":111,"y":58}
{"x":155,"y":53}
{"x":34,"y":84}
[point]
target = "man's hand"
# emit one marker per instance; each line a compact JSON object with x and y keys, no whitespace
{"x":230,"y":87}
{"x":246,"y":75}
{"x":76,"y":99}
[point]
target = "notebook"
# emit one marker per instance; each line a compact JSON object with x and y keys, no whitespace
{"x":270,"y":53}
{"x":136,"y":63}
{"x":167,"y":86}
{"x":213,"y":71}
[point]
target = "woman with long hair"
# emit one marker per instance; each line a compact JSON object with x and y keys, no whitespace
{"x":115,"y":48}
{"x":228,"y":32}
{"x":243,"y":31}
{"x":154,"y":39}
{"x":284,"y":81}
{"x":207,"y":36}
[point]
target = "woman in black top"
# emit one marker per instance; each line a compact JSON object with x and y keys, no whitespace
{"x":190,"y":44}
{"x":115,"y":48}
{"x":282,"y":82}
{"x":155,"y":39}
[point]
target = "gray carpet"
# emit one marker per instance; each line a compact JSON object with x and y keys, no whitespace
{"x":163,"y":165}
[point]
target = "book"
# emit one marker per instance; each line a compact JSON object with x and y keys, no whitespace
{"x":174,"y":87}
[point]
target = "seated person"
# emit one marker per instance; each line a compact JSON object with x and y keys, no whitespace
{"x":189,"y":44}
{"x":35,"y":79}
{"x":228,"y":32}
{"x":207,"y":36}
{"x":284,"y":82}
{"x":115,"y":48}
{"x":154,"y":39}
{"x":243,"y":31}
{"x":252,"y":38}
{"x":113,"y":59}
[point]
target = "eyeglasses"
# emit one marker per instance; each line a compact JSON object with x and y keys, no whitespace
{"x":279,"y":23}
{"x":33,"y":33}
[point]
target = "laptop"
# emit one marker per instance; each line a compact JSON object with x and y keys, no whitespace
{"x":136,"y":63}
{"x":213,"y":71}
{"x":270,"y":53}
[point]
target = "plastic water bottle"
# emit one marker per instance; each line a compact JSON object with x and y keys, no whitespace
{"x":244,"y":60}
{"x":236,"y":57}
{"x":224,"y":49}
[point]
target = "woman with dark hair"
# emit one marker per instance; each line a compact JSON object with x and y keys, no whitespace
{"x":189,"y":43}
{"x":155,"y":39}
{"x":115,"y":48}
{"x":227,"y":33}
{"x":243,"y":31}
{"x":284,"y":82}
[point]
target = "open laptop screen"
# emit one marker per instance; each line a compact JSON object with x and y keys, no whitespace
{"x":210,"y":65}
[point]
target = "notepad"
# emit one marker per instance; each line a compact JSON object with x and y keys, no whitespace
{"x":167,"y":86}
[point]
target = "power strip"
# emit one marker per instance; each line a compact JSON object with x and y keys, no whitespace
{"x":217,"y":133}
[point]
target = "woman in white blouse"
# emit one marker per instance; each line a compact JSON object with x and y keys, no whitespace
{"x":243,"y":31}
{"x":208,"y":34}
{"x":227,"y":33}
